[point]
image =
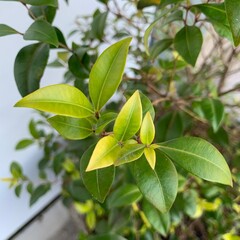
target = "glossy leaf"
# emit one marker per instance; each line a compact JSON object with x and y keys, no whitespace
{"x":198,"y":157}
{"x":29,"y":67}
{"x":71,"y":128}
{"x":46,"y":12}
{"x":129,"y":119}
{"x":150,"y":155}
{"x":159,"y":221}
{"x":97,"y":182}
{"x":24,"y":144}
{"x":6,"y":30}
{"x":147,"y":3}
{"x":188,"y":42}
{"x":105,"y":153}
{"x":42,"y":31}
{"x":39,"y":192}
{"x":232,"y":10}
{"x":107,"y":72}
{"x":147,"y":131}
{"x":98,"y":25}
{"x":210,"y":109}
{"x":129,"y":153}
{"x":158,"y":186}
{"x":124,"y":196}
{"x":60,"y":99}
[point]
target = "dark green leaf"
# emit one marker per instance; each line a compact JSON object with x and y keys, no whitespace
{"x":33,"y":129}
{"x":72,"y":128}
{"x":29,"y":67}
{"x":97,"y":182}
{"x":44,"y":12}
{"x":77,"y":67}
{"x":198,"y":157}
{"x":58,"y":162}
{"x":158,"y":186}
{"x":78,"y":191}
{"x":124,"y":196}
{"x":159,"y":47}
{"x":42,"y":31}
{"x":53,"y":3}
{"x":159,"y":221}
{"x":98,"y":25}
{"x":188,"y":42}
{"x":233,"y":10}
{"x":107,"y":237}
{"x":39,"y":192}
{"x":30,"y":188}
{"x":6,"y":30}
{"x":18,"y":190}
{"x":210,"y":109}
{"x":219,"y":137}
{"x":24,"y":144}
{"x":16,"y":170}
{"x":147,"y":3}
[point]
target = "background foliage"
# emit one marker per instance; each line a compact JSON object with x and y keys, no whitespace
{"x":180,"y":58}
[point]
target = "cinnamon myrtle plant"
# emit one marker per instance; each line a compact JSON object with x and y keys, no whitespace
{"x":135,"y":149}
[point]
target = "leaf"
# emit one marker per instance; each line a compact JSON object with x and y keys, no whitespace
{"x":147,"y":131}
{"x":16,"y":170}
{"x":124,"y":196}
{"x":98,"y":25}
{"x":129,"y":153}
{"x":109,"y":236}
{"x":42,"y":31}
{"x":198,"y":157}
{"x":147,"y":3}
{"x":33,"y":129}
{"x":150,"y":155}
{"x":167,"y":2}
{"x":24,"y":144}
{"x":104,"y":154}
{"x":77,"y":67}
{"x":188,"y":42}
{"x":169,"y":126}
{"x":129,"y":119}
{"x":18,"y":190}
{"x":159,"y":221}
{"x":6,"y":30}
{"x":29,"y":67}
{"x":159,"y":47}
{"x":210,"y":109}
{"x":147,"y":106}
{"x":45,"y":12}
{"x":107,"y":72}
{"x":158,"y":186}
{"x":232,"y":10}
{"x":104,"y":120}
{"x":39,"y":192}
{"x":71,"y":128}
{"x":60,"y":99}
{"x":97,"y":182}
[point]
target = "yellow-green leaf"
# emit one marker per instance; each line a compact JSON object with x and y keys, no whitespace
{"x":129,"y":119}
{"x":147,"y":132}
{"x":60,"y":99}
{"x":107,"y":72}
{"x":150,"y":155}
{"x":105,"y":153}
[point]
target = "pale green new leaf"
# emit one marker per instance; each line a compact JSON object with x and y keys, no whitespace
{"x":71,"y":128}
{"x":147,"y":132}
{"x":129,"y":119}
{"x":150,"y":155}
{"x":60,"y":99}
{"x":129,"y":153}
{"x":233,"y":13}
{"x":188,"y":42}
{"x":159,"y":185}
{"x":198,"y":157}
{"x":42,"y":31}
{"x":124,"y":196}
{"x":107,"y":72}
{"x":105,"y":153}
{"x":6,"y":30}
{"x":97,"y":182}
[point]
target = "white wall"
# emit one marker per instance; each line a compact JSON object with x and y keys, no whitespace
{"x":13,"y":121}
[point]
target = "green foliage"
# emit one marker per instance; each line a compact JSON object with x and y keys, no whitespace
{"x":127,"y":161}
